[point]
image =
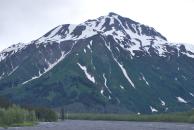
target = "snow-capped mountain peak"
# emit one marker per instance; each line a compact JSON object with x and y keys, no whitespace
{"x":112,"y":24}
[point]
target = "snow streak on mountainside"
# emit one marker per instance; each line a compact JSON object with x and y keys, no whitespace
{"x":50,"y":66}
{"x":91,"y":78}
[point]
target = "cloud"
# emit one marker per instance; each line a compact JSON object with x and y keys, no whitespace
{"x":27,"y":20}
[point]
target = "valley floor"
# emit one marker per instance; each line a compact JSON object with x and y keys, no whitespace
{"x":106,"y":125}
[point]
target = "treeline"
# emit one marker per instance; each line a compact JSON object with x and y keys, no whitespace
{"x":14,"y":115}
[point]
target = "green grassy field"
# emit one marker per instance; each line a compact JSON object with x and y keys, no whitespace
{"x":187,"y":117}
{"x":29,"y":123}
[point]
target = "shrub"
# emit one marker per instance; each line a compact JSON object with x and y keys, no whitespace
{"x":1,"y":115}
{"x":31,"y":116}
{"x":62,"y":116}
{"x":15,"y":115}
{"x":45,"y":114}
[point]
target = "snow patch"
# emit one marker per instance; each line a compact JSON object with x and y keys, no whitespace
{"x":91,"y":42}
{"x":189,"y":55}
{"x":118,"y":100}
{"x":125,"y":74}
{"x":102,"y":92}
{"x":2,"y":56}
{"x":58,"y":38}
{"x":111,"y":21}
{"x":180,"y":99}
{"x":35,"y":77}
{"x":55,"y":31}
{"x":13,"y":70}
{"x":1,"y":77}
{"x":189,"y":47}
{"x":89,"y":76}
{"x":162,"y":102}
{"x":153,"y":109}
{"x":71,"y":28}
{"x":122,"y":87}
{"x":184,"y":77}
{"x":191,"y":94}
{"x":88,"y":46}
{"x":117,"y":49}
{"x":105,"y":83}
{"x":144,"y":79}
{"x":69,"y":36}
{"x":101,"y":21}
{"x":109,"y":97}
{"x":88,"y":32}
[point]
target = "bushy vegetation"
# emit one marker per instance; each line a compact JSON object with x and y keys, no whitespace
{"x":13,"y":115}
{"x":16,"y":115}
{"x":46,"y":114}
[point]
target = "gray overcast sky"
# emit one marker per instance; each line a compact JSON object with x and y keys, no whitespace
{"x":27,"y":20}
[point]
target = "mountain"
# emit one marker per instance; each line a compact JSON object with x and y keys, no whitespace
{"x":109,"y":64}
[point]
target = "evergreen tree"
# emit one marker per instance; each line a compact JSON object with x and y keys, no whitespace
{"x":62,"y":113}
